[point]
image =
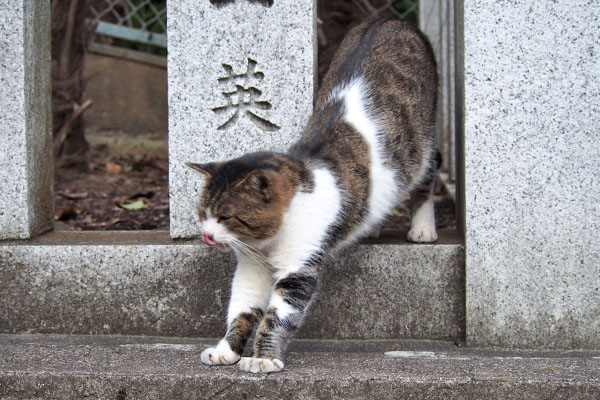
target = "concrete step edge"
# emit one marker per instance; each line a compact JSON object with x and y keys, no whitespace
{"x":56,"y":366}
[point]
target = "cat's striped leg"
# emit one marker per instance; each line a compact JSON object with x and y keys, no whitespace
{"x":250,"y":293}
{"x":422,"y":225}
{"x":289,"y":302}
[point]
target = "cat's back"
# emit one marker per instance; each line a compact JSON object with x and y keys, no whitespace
{"x":386,"y":53}
{"x":395,"y":64}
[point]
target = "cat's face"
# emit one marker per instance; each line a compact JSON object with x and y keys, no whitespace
{"x":241,"y":202}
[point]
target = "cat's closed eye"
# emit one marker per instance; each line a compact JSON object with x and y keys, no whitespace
{"x":223,"y":218}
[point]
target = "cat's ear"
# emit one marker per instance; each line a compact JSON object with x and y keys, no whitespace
{"x":207,"y":169}
{"x":259,"y":181}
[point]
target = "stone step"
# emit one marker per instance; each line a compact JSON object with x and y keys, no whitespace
{"x":144,"y":283}
{"x":126,"y":367}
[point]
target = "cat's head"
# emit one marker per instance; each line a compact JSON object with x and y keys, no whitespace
{"x":244,"y":199}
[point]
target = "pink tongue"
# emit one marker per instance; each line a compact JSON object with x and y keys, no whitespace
{"x":208,"y":240}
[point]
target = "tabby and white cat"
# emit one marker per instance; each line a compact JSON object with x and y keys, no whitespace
{"x":370,"y":142}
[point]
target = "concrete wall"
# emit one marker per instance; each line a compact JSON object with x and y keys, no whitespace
{"x":26,"y":177}
{"x":130,"y":95}
{"x":532,"y":172}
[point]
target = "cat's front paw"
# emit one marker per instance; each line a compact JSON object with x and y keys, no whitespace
{"x":220,"y":355}
{"x":422,"y":234}
{"x":261,"y":365}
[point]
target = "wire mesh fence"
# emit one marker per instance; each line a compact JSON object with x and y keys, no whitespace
{"x":147,"y":15}
{"x":405,"y":9}
{"x":141,"y":21}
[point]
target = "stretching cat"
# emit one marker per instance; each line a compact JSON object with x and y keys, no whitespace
{"x":370,"y":142}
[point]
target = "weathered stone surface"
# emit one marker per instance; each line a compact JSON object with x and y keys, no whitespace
{"x":26,"y":178}
{"x":391,"y":290}
{"x":144,"y":283}
{"x":532,"y":117}
{"x":100,"y":367}
{"x":113,"y":284}
{"x":241,"y":79}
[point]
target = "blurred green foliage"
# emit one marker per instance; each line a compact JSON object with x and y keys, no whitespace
{"x":407,"y":7}
{"x":146,"y":13}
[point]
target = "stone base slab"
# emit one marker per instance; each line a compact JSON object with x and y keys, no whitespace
{"x":144,"y":283}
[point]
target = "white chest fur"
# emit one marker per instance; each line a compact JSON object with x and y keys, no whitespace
{"x":306,"y":223}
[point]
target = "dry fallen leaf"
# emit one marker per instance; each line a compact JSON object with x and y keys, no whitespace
{"x":113,"y":168}
{"x":74,"y":196}
{"x":67,"y":212}
{"x":147,"y":194}
{"x":103,"y":224}
{"x":136,"y":205}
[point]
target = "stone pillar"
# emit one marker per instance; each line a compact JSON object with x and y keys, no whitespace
{"x":241,"y":79}
{"x":26,"y":164}
{"x":532,"y":172}
{"x":436,"y":20}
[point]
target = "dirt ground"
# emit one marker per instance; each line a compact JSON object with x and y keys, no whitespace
{"x":98,"y":198}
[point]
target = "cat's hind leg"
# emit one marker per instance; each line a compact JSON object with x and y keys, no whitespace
{"x":289,"y":302}
{"x":422,"y":225}
{"x":250,"y":293}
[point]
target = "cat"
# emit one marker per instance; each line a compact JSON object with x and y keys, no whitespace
{"x":370,"y":142}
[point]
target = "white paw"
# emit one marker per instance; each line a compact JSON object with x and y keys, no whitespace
{"x":260,"y":365}
{"x":422,"y":234}
{"x":220,"y":355}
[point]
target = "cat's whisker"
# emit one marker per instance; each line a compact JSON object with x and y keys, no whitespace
{"x":247,"y":246}
{"x":245,"y":249}
{"x":252,"y":252}
{"x":241,"y":250}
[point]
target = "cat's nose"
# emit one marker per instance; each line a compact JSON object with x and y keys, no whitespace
{"x":207,"y":238}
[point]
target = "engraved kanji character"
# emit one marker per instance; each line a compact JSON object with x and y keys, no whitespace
{"x":245,"y":99}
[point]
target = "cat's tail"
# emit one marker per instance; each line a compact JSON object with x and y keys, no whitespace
{"x":438,"y":160}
